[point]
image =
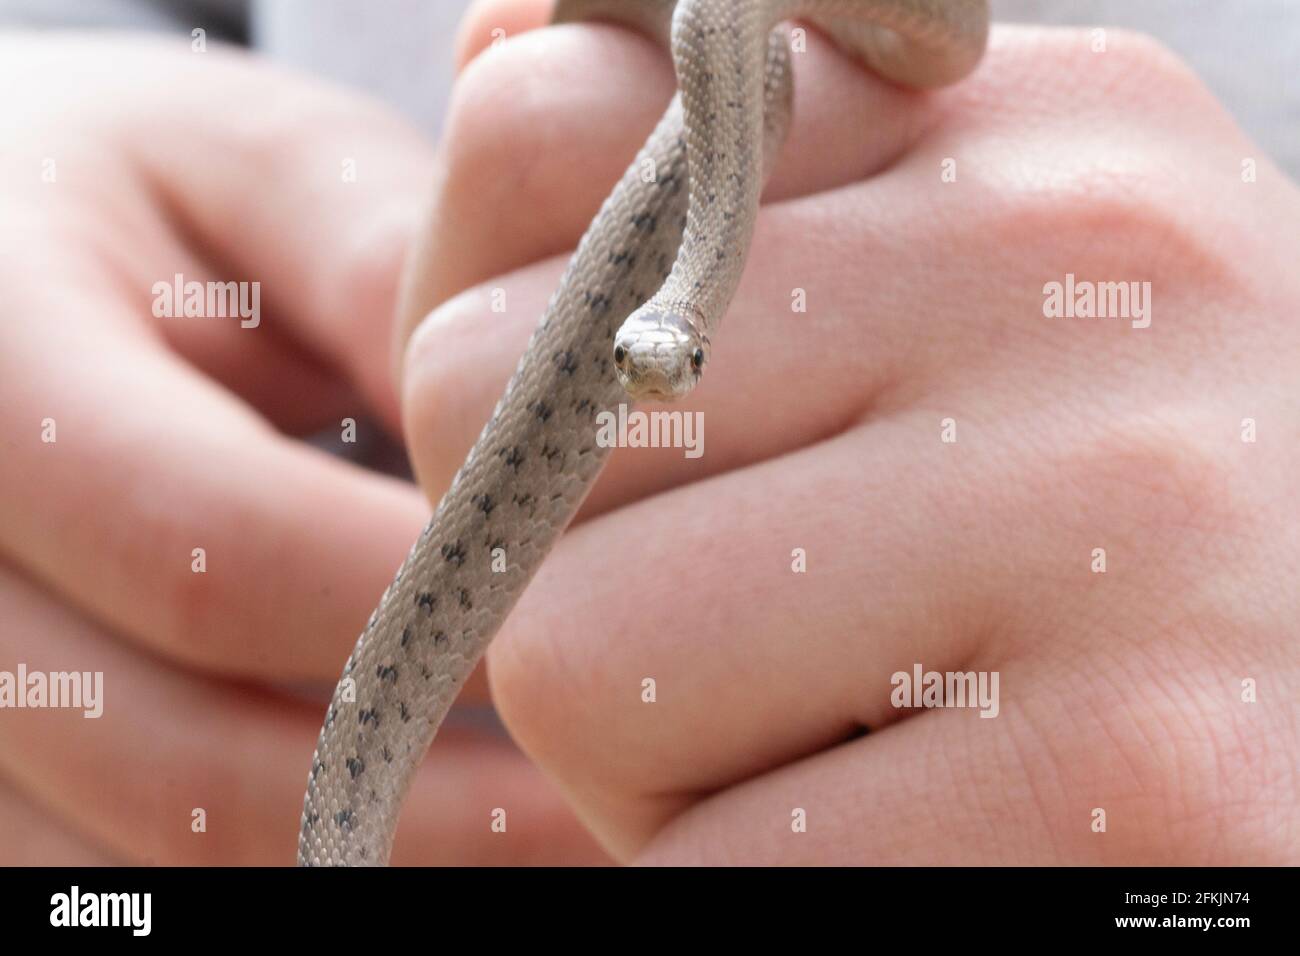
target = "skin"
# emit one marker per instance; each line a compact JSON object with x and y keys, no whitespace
{"x":180,"y":434}
{"x":1120,"y":691}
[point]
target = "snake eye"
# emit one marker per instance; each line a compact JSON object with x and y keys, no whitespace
{"x":620,"y":353}
{"x":697,"y":359}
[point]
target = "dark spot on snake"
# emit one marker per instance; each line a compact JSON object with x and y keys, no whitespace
{"x":386,"y":673}
{"x":454,"y":553}
{"x":406,"y":636}
{"x":540,"y":409}
{"x":426,"y":600}
{"x":440,"y":641}
{"x":465,"y":601}
{"x":368,"y":717}
{"x":387,"y":755}
{"x":514,"y":457}
{"x":355,"y":766}
{"x":405,"y":714}
{"x":485,"y":503}
{"x":344,"y":819}
{"x":567,"y":362}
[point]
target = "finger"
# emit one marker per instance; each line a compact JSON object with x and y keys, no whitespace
{"x":128,"y":465}
{"x":903,"y":568}
{"x":775,"y":679}
{"x":186,"y":523}
{"x":944,"y":789}
{"x":543,"y":163}
{"x":1075,"y":769}
{"x":472,"y":785}
{"x":221,"y":778}
{"x":889,"y":337}
{"x":867,"y":361}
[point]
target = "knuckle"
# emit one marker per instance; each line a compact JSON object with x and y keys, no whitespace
{"x":1123,"y":216}
{"x":1154,"y":484}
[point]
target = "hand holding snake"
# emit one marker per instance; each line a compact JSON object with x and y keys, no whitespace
{"x":634,"y":317}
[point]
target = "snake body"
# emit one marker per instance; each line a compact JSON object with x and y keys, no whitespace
{"x":633,"y":318}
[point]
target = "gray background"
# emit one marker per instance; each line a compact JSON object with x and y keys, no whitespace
{"x":1246,"y":50}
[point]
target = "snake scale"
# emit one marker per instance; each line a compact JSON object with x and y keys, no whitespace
{"x":633,"y":318}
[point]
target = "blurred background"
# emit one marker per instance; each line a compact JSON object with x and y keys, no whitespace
{"x":400,"y":50}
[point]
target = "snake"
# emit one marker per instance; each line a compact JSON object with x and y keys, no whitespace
{"x":633,"y":319}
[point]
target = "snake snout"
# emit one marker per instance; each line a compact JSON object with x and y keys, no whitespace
{"x":658,"y":355}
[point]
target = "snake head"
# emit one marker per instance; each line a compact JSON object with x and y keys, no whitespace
{"x":659,"y":354}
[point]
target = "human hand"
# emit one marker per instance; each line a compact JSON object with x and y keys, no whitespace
{"x":131,"y":438}
{"x":1169,"y":438}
